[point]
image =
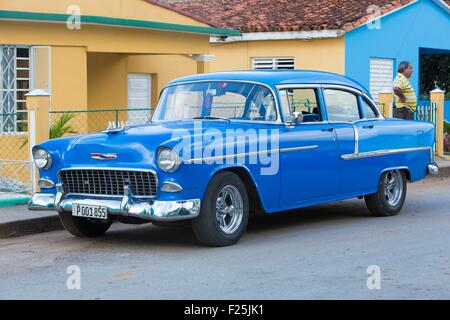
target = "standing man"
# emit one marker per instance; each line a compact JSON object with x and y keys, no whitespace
{"x":407,"y":100}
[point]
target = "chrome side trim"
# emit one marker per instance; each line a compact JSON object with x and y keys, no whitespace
{"x":342,"y":87}
{"x":356,"y":131}
{"x":249,"y":154}
{"x":298,"y":86}
{"x":380,"y":153}
{"x":298,"y":148}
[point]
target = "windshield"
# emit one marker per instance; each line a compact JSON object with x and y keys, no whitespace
{"x":216,"y":100}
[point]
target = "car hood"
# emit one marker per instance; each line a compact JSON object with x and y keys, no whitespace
{"x":135,"y":144}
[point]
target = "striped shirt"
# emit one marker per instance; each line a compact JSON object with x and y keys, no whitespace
{"x":402,"y":82}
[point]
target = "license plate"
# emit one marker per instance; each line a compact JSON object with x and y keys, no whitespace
{"x":89,"y":211}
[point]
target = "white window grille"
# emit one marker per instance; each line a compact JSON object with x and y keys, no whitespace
{"x":273,"y":63}
{"x":14,"y":85}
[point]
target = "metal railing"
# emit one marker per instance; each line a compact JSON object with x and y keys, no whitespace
{"x":70,"y":122}
{"x":16,"y":167}
{"x":426,"y":113}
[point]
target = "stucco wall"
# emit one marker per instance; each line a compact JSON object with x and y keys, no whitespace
{"x":324,"y":55}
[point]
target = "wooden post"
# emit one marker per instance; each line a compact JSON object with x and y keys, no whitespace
{"x":437,"y":96}
{"x":386,"y":98}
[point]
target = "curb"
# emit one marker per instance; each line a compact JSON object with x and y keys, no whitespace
{"x":444,"y":172}
{"x":30,"y":226}
{"x":13,"y":201}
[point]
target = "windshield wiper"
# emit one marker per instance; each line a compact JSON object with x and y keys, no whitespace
{"x":212,"y":118}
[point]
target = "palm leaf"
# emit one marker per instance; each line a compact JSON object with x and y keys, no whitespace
{"x":61,"y":126}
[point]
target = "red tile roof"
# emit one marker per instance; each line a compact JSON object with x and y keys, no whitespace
{"x":281,"y":15}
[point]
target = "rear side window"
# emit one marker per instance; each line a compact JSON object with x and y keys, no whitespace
{"x":341,"y":105}
{"x":368,"y":109}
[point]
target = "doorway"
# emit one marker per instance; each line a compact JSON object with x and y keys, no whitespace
{"x":139,"y":97}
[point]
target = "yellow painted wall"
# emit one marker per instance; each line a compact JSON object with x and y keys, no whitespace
{"x":125,"y":9}
{"x":69,"y":82}
{"x":107,"y":89}
{"x":69,"y":77}
{"x":323,"y":54}
{"x":107,"y":81}
{"x":103,"y":39}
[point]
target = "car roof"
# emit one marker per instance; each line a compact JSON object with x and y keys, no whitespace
{"x":277,"y":77}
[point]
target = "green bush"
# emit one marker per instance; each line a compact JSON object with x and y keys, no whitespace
{"x":447,"y":127}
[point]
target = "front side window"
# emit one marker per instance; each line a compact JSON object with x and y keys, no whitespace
{"x":230,"y":100}
{"x":304,"y":101}
{"x":341,"y":105}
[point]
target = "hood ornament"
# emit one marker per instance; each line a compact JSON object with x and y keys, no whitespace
{"x":104,"y":156}
{"x":114,"y":127}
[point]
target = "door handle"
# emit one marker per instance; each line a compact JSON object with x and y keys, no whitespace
{"x":328,"y":130}
{"x":368,"y":127}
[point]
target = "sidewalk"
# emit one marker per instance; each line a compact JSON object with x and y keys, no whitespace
{"x":18,"y":220}
{"x":444,"y":167}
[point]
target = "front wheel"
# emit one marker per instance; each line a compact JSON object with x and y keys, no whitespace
{"x":390,"y":196}
{"x":83,"y":227}
{"x":224,"y":211}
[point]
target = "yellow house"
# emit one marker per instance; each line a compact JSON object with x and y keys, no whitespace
{"x":89,"y":55}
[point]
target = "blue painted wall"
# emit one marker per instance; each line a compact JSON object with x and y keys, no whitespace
{"x":421,"y":25}
{"x":447,"y":110}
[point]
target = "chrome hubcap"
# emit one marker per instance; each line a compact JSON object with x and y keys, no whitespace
{"x":393,"y":187}
{"x":229,"y":209}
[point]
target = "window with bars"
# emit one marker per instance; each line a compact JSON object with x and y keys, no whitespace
{"x":273,"y":63}
{"x":14,"y":85}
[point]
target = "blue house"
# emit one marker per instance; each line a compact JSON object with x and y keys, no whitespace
{"x":364,"y":39}
{"x":416,"y":30}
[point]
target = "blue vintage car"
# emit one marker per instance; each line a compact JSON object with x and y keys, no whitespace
{"x":224,"y":146}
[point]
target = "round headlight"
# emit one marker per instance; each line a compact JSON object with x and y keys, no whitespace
{"x":42,"y":158}
{"x":168,"y":160}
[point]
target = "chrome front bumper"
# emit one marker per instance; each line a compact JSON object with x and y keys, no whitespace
{"x":128,"y":206}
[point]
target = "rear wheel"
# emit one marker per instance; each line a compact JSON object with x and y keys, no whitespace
{"x":391,"y":194}
{"x":83,"y":227}
{"x":224,"y":211}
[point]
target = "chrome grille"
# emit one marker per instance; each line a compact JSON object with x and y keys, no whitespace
{"x":108,"y":182}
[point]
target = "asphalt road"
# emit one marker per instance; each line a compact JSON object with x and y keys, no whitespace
{"x":317,"y":253}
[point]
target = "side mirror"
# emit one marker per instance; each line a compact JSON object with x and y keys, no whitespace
{"x":298,"y":117}
{"x":294,"y":118}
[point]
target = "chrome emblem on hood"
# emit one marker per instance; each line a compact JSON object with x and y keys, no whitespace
{"x":104,"y":156}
